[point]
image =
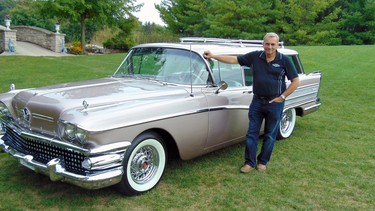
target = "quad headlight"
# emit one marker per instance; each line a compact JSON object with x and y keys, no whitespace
{"x":73,"y":133}
{"x":4,"y":110}
{"x":2,"y":127}
{"x":81,"y":135}
{"x":4,"y":113}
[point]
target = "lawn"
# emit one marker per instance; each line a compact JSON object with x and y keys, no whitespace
{"x":327,"y":164}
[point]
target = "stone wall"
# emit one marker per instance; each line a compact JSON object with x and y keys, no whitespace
{"x":44,"y":38}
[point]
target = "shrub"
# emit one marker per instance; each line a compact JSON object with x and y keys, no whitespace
{"x":75,"y":48}
{"x":119,"y":42}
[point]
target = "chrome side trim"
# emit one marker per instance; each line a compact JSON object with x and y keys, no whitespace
{"x":42,"y":117}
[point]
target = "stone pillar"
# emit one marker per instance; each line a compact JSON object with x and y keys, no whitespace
{"x":9,"y":38}
{"x":58,"y":42}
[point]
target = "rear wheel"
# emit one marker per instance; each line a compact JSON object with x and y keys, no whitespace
{"x":287,"y":123}
{"x":144,"y":164}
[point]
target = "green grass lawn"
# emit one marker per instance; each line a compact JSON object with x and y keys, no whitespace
{"x":327,"y":164}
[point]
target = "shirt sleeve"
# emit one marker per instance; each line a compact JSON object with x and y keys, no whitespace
{"x":247,"y":59}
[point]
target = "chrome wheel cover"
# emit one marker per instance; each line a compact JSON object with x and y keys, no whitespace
{"x":286,"y":121}
{"x":144,"y":164}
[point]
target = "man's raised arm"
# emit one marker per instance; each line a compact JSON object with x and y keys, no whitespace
{"x":221,"y":58}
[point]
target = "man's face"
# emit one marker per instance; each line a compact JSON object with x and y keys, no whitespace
{"x":270,"y":45}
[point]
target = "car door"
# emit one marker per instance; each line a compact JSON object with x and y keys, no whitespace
{"x":228,"y":109}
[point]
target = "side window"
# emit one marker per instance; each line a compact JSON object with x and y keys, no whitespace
{"x":232,"y":74}
{"x":182,"y":67}
{"x":248,"y":72}
{"x":297,"y":63}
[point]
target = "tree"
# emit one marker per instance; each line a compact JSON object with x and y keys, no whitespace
{"x":122,"y":40}
{"x":358,"y":25}
{"x":311,"y":22}
{"x":151,"y":32}
{"x":100,"y":11}
{"x":25,"y":14}
{"x":245,"y":19}
{"x":5,"y":7}
{"x":184,"y":17}
{"x":301,"y":21}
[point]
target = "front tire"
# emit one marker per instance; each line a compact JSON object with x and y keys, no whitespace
{"x":287,"y":123}
{"x":144,"y":164}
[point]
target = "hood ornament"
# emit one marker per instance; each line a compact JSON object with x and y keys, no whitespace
{"x":12,"y":87}
{"x":85,"y":104}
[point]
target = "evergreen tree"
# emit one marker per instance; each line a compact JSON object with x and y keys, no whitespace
{"x":358,"y":25}
{"x":245,"y":19}
{"x":184,"y":17}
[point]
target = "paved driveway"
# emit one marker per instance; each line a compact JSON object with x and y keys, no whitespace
{"x":29,"y":49}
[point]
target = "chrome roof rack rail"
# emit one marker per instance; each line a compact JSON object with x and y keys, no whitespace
{"x":222,"y":41}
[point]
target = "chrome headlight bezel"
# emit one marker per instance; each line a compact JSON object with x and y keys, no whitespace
{"x":81,"y":135}
{"x":4,"y":117}
{"x":69,"y":131}
{"x":4,"y":111}
{"x":72,"y":133}
{"x":2,"y":127}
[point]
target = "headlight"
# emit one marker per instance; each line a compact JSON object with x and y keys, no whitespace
{"x":73,"y":133}
{"x":70,"y":131}
{"x":2,"y":127}
{"x":81,"y":135}
{"x":3,"y":110}
{"x":4,"y":113}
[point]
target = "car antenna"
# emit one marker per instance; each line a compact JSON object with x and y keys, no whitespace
{"x":191,"y":74}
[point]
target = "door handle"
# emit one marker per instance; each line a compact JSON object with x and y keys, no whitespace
{"x":247,"y":92}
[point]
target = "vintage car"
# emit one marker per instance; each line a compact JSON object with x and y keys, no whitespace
{"x":164,"y":100}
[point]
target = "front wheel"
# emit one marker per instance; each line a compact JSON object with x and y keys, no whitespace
{"x":287,"y":123}
{"x":144,"y":164}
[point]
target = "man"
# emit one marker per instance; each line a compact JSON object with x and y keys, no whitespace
{"x":269,"y":71}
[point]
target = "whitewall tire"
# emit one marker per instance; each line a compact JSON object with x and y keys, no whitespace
{"x":287,"y":123}
{"x":144,"y":164}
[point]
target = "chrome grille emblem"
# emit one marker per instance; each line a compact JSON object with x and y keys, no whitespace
{"x":26,"y":115}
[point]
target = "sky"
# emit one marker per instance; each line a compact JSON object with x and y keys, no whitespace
{"x":148,"y":12}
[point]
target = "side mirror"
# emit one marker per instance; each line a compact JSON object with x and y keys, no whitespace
{"x":222,"y":86}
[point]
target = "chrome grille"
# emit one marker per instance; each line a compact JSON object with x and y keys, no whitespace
{"x":44,"y":152}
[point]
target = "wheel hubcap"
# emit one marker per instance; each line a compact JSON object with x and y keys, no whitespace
{"x":144,"y":164}
{"x":285,"y":121}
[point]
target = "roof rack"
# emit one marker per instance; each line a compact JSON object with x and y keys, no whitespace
{"x":222,"y":41}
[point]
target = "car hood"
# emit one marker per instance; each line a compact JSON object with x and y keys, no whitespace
{"x":76,"y":102}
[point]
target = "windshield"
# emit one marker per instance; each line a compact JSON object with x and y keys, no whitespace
{"x":165,"y":64}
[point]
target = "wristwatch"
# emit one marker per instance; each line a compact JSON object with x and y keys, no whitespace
{"x":282,"y":96}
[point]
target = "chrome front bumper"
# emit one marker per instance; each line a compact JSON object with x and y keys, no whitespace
{"x":56,"y":172}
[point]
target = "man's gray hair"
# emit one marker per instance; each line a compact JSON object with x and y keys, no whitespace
{"x":271,"y":34}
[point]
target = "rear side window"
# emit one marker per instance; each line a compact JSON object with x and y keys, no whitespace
{"x":297,"y":63}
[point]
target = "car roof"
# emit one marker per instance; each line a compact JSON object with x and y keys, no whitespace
{"x":218,"y":46}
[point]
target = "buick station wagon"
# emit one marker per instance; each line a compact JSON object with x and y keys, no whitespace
{"x":164,"y":100}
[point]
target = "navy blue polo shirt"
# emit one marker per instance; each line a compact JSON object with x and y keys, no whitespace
{"x":268,"y":78}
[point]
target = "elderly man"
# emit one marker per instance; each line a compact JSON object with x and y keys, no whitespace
{"x":270,"y":68}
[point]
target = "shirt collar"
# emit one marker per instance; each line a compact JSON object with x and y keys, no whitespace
{"x":279,"y":56}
